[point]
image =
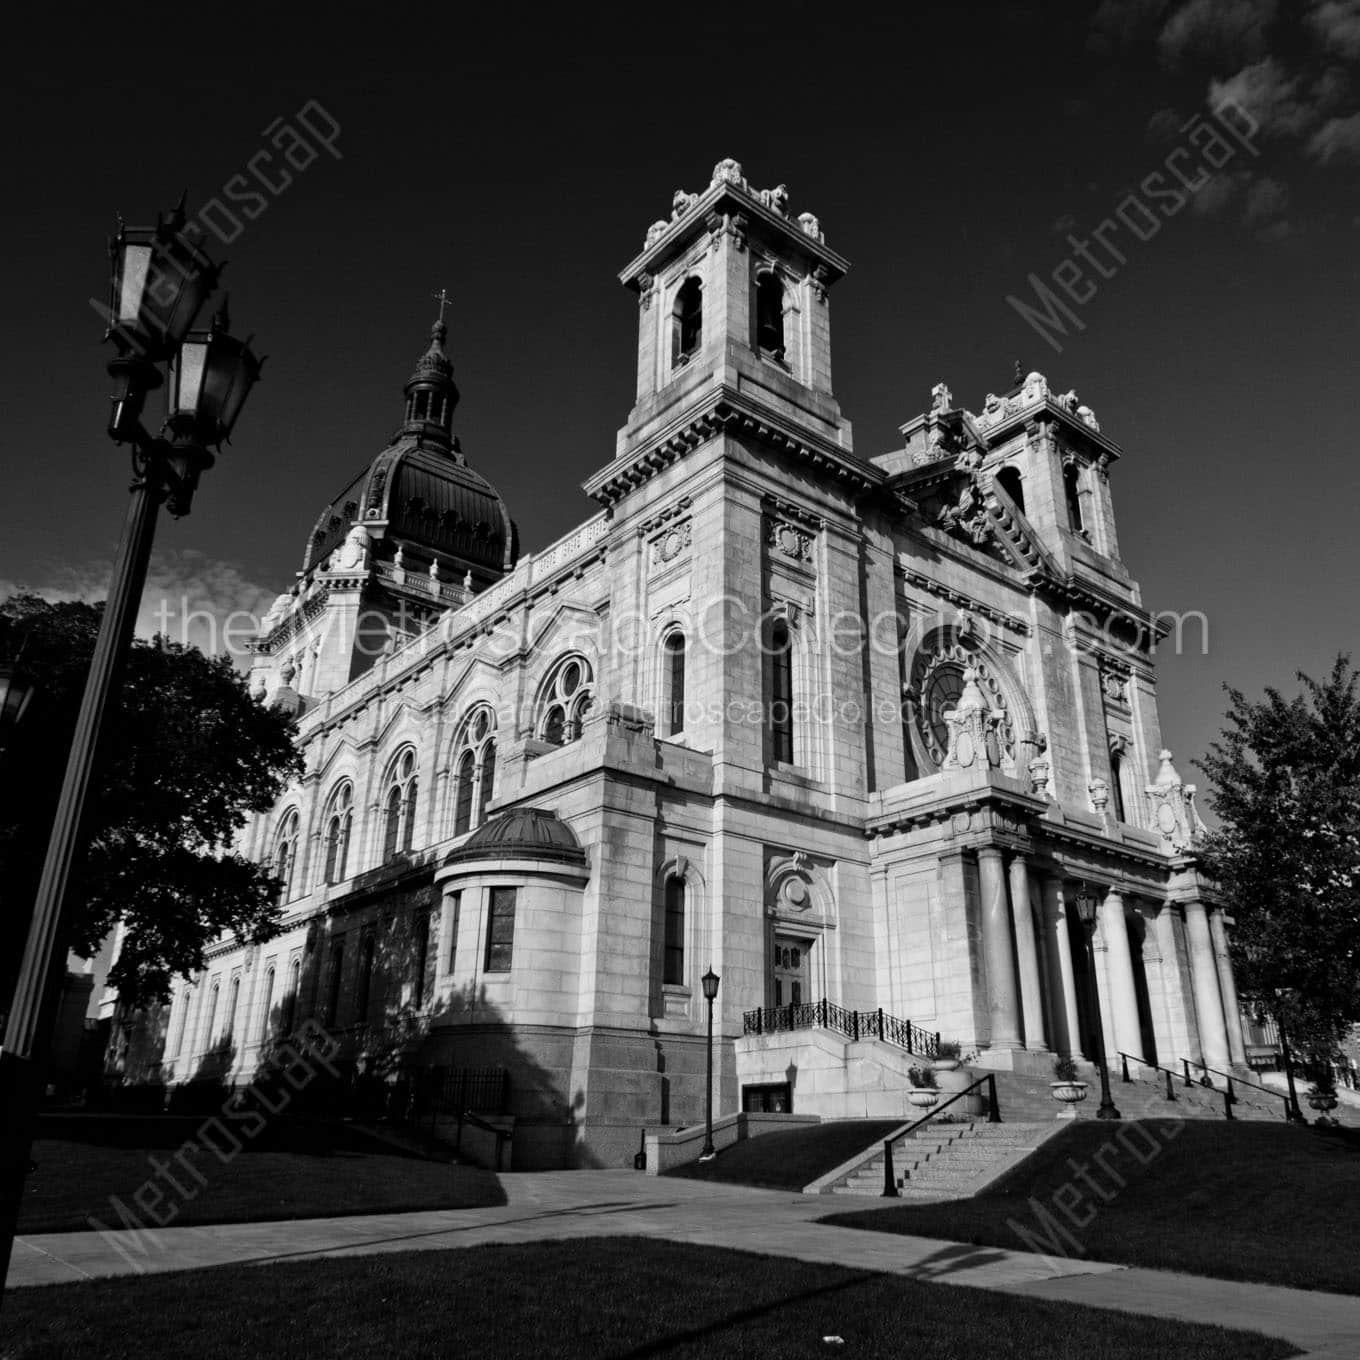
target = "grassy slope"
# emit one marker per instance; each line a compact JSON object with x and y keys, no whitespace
{"x":294,"y":1169}
{"x":593,"y":1298}
{"x":1259,"y":1202}
{"x":792,"y":1158}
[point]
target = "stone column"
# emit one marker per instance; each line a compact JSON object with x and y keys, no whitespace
{"x":1003,"y":1010}
{"x":1051,"y":998}
{"x":1128,"y":1033}
{"x":1063,"y":979}
{"x":1027,"y":954}
{"x":1227,"y":986}
{"x":1213,"y":1033}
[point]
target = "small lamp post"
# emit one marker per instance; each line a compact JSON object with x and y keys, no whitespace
{"x":709,"y":982}
{"x":1292,"y":1113}
{"x":1086,"y":909}
{"x":160,"y":278}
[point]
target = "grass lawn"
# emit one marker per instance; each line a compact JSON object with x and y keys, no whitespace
{"x":792,"y":1158}
{"x":1261,"y":1202}
{"x":294,"y":1168}
{"x":594,"y":1298}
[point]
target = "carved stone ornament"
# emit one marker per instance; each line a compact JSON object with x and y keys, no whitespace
{"x":1114,"y":686}
{"x":973,"y":727}
{"x":941,"y":399}
{"x":811,"y":226}
{"x":1100,"y":795}
{"x":789,"y":539}
{"x":669,"y":545}
{"x":1173,"y":808}
{"x":940,"y":670}
{"x":821,"y":281}
{"x":645,"y":282}
{"x":1038,"y":777}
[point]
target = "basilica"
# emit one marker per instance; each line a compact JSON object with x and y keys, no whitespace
{"x":870,"y":737}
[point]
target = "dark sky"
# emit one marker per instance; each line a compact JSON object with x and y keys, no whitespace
{"x":517,"y":158}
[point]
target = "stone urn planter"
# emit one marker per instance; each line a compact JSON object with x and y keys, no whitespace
{"x":923,"y":1098}
{"x":1324,"y":1102}
{"x":1070,"y":1093}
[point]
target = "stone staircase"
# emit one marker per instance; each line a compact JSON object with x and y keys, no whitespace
{"x":1023,"y":1097}
{"x":949,"y":1161}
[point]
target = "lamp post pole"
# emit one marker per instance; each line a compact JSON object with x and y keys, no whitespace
{"x":1293,"y":1113}
{"x":710,"y":985}
{"x":160,"y":280}
{"x":1086,"y":909}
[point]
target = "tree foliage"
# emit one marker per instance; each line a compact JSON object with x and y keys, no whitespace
{"x":187,"y":755}
{"x":1287,"y":790}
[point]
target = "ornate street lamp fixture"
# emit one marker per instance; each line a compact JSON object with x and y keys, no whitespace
{"x":160,"y":278}
{"x":709,"y":982}
{"x":1086,"y":909}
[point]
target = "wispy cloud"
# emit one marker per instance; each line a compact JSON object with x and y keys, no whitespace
{"x":189,"y":597}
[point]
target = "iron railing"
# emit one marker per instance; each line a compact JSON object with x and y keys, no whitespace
{"x":1289,"y":1113}
{"x":875,"y":1024}
{"x":890,"y":1190}
{"x":1183,"y":1076}
{"x":459,"y":1090}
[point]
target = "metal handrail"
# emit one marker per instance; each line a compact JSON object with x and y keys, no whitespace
{"x":907,"y":1130}
{"x":1243,"y":1081}
{"x":854,"y":1024}
{"x":1229,"y":1098}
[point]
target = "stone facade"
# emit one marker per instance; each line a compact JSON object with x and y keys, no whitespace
{"x":849,"y":730}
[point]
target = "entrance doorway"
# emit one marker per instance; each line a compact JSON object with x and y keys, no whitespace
{"x":791,"y":970}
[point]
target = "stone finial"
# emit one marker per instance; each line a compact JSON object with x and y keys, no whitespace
{"x":1088,"y":418}
{"x":1173,"y":807}
{"x":681,"y":203}
{"x":467,"y":580}
{"x":656,"y":231}
{"x":434,"y":569}
{"x":1038,"y":777}
{"x":811,"y":226}
{"x":941,"y":399}
{"x":352,"y":555}
{"x":257,"y":685}
{"x":1100,"y":794}
{"x":727,"y":171}
{"x":776,"y":199}
{"x":288,"y":674}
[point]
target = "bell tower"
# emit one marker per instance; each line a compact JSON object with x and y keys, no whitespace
{"x":733,"y":292}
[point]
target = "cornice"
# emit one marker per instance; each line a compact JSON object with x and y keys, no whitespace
{"x":725,"y":411}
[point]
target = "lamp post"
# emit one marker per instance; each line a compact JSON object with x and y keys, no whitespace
{"x":1086,"y":909}
{"x":1292,"y":1113}
{"x":160,"y":279}
{"x":709,"y":982}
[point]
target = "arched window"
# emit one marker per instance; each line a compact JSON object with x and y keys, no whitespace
{"x":339,"y":826}
{"x":290,"y":1000}
{"x":285,"y":853}
{"x":770,"y":316}
{"x":1117,"y":785}
{"x":213,"y":998}
{"x":781,"y":692}
{"x":566,"y":702}
{"x":186,"y":999}
{"x":1072,"y":491}
{"x":687,"y":321}
{"x":1013,"y":485}
{"x":364,"y":991}
{"x":231,"y":1008}
{"x":673,"y":684}
{"x":337,"y":972}
{"x":399,"y":805}
{"x":267,"y":1004}
{"x":673,"y":961}
{"x":474,"y":769}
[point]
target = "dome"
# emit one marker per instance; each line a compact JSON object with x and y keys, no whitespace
{"x":419,"y":491}
{"x":522,"y":833}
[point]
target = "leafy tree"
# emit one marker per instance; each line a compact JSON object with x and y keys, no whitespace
{"x":1287,"y":790}
{"x":187,"y":754}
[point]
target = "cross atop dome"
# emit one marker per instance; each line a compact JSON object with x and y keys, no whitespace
{"x":431,"y":393}
{"x":442,"y":298}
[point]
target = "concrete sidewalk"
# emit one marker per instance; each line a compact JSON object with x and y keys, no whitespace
{"x":572,"y":1204}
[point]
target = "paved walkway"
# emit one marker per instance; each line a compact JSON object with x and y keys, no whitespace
{"x":570,"y":1204}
